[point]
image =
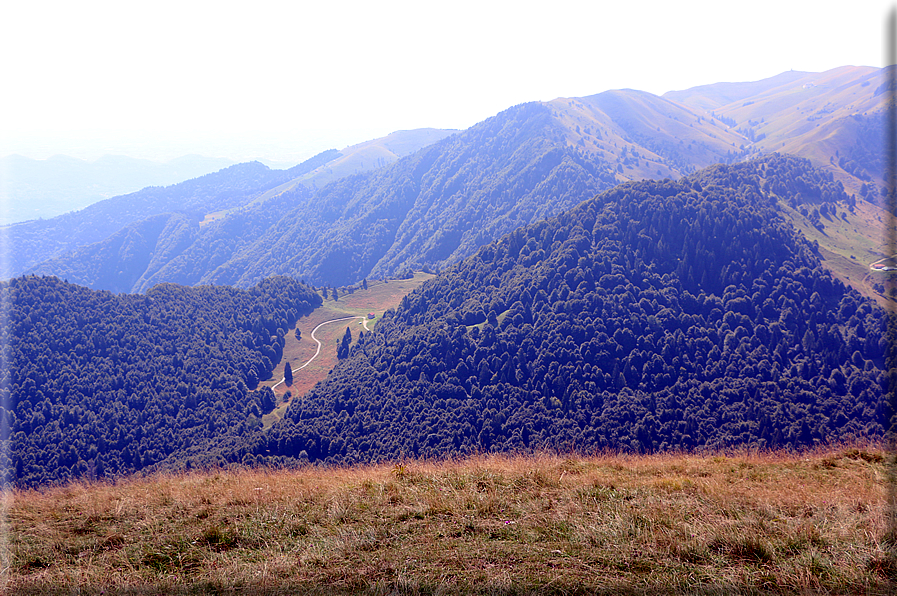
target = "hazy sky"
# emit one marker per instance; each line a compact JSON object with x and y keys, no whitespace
{"x":285,"y":80}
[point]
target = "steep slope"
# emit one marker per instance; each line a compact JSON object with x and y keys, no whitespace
{"x":529,"y":162}
{"x":658,"y":315}
{"x":433,"y":206}
{"x":438,"y":205}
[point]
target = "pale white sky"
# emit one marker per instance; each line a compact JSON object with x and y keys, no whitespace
{"x":284,"y":80}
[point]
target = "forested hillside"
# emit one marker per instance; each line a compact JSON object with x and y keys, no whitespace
{"x":96,"y":384}
{"x":433,"y":207}
{"x":659,"y":315}
{"x":168,"y":248}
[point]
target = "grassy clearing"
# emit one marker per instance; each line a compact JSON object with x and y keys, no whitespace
{"x":849,"y":243}
{"x":378,"y":298}
{"x":748,"y":523}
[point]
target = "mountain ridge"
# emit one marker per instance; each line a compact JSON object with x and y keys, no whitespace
{"x":437,"y":206}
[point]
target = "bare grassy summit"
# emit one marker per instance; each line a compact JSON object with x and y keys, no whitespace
{"x":745,"y":523}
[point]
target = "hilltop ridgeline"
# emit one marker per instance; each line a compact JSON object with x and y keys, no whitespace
{"x":438,"y":205}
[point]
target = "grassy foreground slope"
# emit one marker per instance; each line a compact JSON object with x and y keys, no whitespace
{"x":749,"y":522}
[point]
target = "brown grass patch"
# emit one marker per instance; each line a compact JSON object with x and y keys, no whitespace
{"x":749,"y":522}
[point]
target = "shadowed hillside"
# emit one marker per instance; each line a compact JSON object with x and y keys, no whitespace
{"x":100,"y":385}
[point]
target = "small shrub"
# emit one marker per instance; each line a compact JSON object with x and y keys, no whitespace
{"x":218,"y":539}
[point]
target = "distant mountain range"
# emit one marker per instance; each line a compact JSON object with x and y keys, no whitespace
{"x":47,"y":188}
{"x":435,"y":206}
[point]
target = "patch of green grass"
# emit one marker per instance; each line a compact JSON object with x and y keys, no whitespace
{"x":849,"y":242}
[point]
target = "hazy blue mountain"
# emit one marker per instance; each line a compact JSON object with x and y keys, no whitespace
{"x":45,"y":188}
{"x":30,"y":243}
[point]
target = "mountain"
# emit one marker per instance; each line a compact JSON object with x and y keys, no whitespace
{"x":46,"y":188}
{"x":437,"y":206}
{"x":207,"y":199}
{"x":834,"y":118}
{"x":31,"y":242}
{"x":658,"y":315}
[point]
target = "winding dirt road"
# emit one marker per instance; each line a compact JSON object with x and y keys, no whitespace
{"x":317,"y":341}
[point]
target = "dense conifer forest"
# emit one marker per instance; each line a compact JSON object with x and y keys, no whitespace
{"x":96,"y":384}
{"x":658,"y":315}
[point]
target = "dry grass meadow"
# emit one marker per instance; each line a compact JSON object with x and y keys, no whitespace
{"x":736,"y":523}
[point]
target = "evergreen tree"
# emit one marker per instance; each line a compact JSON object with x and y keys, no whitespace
{"x":288,"y":374}
{"x":342,"y":346}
